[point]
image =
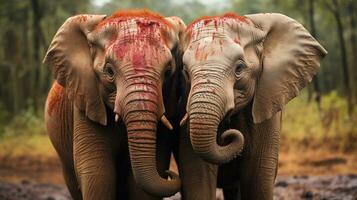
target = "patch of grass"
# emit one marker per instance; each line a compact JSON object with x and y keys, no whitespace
{"x":25,"y":123}
{"x":25,"y":135}
{"x":303,"y":122}
{"x":31,"y":146}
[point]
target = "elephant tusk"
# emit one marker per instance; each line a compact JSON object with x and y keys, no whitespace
{"x":116,"y":117}
{"x":166,"y":122}
{"x":184,"y":120}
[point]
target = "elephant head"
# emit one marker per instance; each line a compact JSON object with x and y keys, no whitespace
{"x":232,"y":61}
{"x":118,"y":64}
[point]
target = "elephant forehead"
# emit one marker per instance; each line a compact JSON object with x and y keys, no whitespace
{"x":211,"y":25}
{"x":141,"y":52}
{"x":131,"y":30}
{"x":135,"y":28}
{"x":140,"y":42}
{"x":126,"y":15}
{"x":209,"y":48}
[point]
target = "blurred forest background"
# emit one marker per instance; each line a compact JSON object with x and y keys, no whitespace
{"x":324,"y":115}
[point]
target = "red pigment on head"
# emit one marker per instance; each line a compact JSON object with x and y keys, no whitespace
{"x":237,"y":40}
{"x":216,"y":19}
{"x":138,"y":59}
{"x":123,"y":15}
{"x":139,"y":48}
{"x":145,"y":105}
{"x":81,"y":18}
{"x":213,"y":35}
{"x":55,"y":96}
{"x":142,"y":47}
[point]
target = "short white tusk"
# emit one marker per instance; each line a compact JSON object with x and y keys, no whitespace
{"x":116,"y":117}
{"x":166,"y":122}
{"x":184,"y":120}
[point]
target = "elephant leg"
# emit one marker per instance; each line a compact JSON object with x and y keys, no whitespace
{"x":135,"y":192}
{"x":199,"y":178}
{"x":231,"y":193}
{"x":260,"y":164}
{"x":59,"y":125}
{"x":93,"y":158}
{"x":71,"y":182}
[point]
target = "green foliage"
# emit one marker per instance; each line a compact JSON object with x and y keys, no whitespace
{"x":302,"y":121}
{"x":24,"y":134}
{"x":4,"y":116}
{"x":25,"y":123}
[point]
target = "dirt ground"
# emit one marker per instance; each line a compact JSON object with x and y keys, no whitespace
{"x":303,"y":174}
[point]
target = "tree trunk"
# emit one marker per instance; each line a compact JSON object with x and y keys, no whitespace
{"x":351,"y":13}
{"x":11,"y":56}
{"x":25,"y":70}
{"x":314,"y":34}
{"x":36,"y":51}
{"x":340,"y":30}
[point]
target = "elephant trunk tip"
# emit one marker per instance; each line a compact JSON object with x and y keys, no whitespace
{"x":237,"y":142}
{"x":163,"y":187}
{"x":218,"y":154}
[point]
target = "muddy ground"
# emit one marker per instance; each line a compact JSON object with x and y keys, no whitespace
{"x":330,"y":175}
{"x":289,"y":188}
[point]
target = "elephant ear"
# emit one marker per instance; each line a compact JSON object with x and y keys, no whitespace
{"x":175,"y":32}
{"x":178,"y":28}
{"x":70,"y":59}
{"x":290,"y":59}
{"x":170,"y":88}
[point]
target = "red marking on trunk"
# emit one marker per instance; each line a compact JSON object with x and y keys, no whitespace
{"x":55,"y":96}
{"x":198,"y":52}
{"x":205,"y":56}
{"x":221,"y":45}
{"x":237,"y":40}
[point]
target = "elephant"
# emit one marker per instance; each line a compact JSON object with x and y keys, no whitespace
{"x":108,"y":113}
{"x":239,"y":72}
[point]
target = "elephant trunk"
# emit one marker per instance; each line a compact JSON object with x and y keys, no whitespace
{"x":141,"y":112}
{"x":206,"y":110}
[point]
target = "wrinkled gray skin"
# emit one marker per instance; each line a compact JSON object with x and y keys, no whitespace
{"x":103,"y":112}
{"x":240,"y":72}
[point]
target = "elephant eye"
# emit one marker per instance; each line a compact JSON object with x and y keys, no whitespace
{"x":239,"y":67}
{"x":109,"y":70}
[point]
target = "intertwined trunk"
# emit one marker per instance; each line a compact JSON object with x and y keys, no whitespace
{"x":140,"y":114}
{"x":207,"y":107}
